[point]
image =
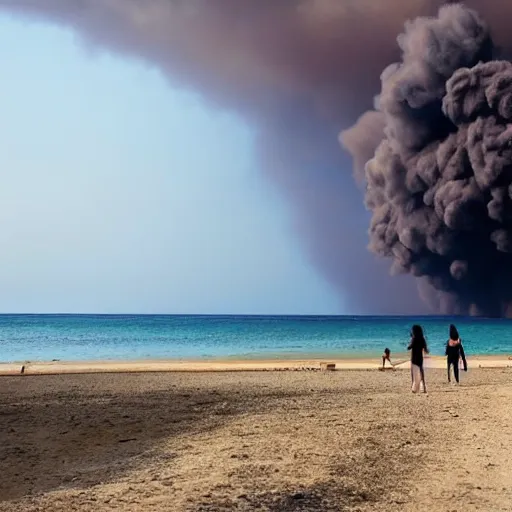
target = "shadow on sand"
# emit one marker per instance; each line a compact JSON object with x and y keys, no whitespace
{"x":77,"y":432}
{"x":88,"y":438}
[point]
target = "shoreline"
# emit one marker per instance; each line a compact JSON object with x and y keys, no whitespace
{"x":231,"y":365}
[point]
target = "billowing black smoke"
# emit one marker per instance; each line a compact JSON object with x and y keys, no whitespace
{"x":439,"y":185}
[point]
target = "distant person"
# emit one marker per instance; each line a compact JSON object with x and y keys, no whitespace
{"x":417,"y":346}
{"x":386,"y":357}
{"x":454,"y":353}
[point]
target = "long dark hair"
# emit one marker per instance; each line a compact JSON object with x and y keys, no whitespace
{"x":417,"y":336}
{"x":454,"y":334}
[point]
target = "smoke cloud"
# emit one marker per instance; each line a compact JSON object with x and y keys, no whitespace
{"x":439,"y":185}
{"x":301,"y":72}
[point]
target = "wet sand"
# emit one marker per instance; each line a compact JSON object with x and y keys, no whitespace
{"x":230,"y":365}
{"x":270,"y":441}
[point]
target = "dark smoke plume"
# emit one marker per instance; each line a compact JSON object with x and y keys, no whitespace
{"x":439,"y":185}
{"x":300,"y":71}
{"x":283,"y":65}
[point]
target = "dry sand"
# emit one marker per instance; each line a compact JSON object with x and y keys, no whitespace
{"x":275,"y":441}
{"x":230,"y":365}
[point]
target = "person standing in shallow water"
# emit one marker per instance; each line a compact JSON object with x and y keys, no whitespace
{"x":454,"y":352}
{"x":417,"y":346}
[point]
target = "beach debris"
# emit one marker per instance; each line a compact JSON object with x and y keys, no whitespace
{"x":127,"y":440}
{"x":328,"y":366}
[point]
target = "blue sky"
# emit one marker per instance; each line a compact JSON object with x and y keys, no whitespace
{"x":122,"y":194}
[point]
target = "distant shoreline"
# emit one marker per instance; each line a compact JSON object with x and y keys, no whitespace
{"x":229,"y":365}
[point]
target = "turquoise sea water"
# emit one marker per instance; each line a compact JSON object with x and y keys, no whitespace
{"x":93,"y":337}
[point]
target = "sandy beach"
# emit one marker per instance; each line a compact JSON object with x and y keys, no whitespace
{"x":271,"y":441}
{"x":230,"y":365}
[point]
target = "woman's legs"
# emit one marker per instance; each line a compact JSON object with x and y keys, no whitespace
{"x":416,"y":378}
{"x":423,"y":379}
{"x":456,"y":370}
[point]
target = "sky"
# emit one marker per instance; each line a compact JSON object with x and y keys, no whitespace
{"x":122,"y":194}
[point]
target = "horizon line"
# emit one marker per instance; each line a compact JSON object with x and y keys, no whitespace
{"x":257,"y":315}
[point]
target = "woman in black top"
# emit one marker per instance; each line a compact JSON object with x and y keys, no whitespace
{"x":454,"y":352}
{"x":417,"y":346}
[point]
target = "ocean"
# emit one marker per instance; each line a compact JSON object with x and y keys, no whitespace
{"x":132,"y":337}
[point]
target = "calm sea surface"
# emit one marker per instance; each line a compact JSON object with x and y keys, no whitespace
{"x":90,"y":337}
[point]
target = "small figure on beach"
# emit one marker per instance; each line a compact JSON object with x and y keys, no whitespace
{"x":417,"y":346}
{"x":386,"y":357}
{"x":454,"y":353}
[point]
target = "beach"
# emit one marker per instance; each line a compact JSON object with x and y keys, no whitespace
{"x":256,"y":440}
{"x":231,"y":365}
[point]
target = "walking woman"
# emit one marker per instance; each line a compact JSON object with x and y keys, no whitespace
{"x":417,"y":346}
{"x":454,"y":352}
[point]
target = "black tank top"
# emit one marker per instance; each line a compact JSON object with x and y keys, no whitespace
{"x":453,"y":351}
{"x":417,"y":348}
